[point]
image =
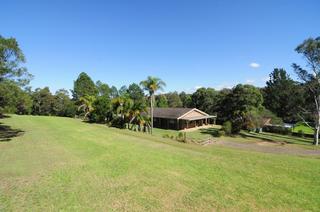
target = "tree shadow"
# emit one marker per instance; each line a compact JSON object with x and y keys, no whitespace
{"x":209,"y":131}
{"x":249,"y":135}
{"x":7,"y":133}
{"x":276,"y":138}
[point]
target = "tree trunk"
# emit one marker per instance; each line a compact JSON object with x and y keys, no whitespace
{"x":317,"y":121}
{"x":317,"y":129}
{"x":85,"y":115}
{"x":316,"y":136}
{"x":151,"y":109}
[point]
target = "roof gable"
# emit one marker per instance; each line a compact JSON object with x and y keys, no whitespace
{"x":193,"y":113}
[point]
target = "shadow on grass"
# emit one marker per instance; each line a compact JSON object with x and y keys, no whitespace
{"x":251,"y":135}
{"x":209,"y":131}
{"x":276,"y":138}
{"x":6,"y":132}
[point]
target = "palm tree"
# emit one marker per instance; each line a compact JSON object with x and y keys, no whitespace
{"x":152,"y":85}
{"x":136,"y":114}
{"x":86,"y":105}
{"x":122,"y":106}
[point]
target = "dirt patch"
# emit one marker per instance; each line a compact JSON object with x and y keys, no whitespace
{"x":269,"y":147}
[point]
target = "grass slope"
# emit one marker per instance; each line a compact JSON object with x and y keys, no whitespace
{"x":204,"y":134}
{"x":304,"y":128}
{"x":64,"y":164}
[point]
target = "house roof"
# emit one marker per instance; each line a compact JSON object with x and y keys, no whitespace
{"x":176,"y":113}
{"x":172,"y":113}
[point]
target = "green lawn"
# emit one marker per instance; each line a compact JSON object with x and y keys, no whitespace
{"x":301,"y":126}
{"x":200,"y":134}
{"x":203,"y":134}
{"x":272,"y":137}
{"x":64,"y":164}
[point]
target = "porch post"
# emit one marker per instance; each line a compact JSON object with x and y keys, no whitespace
{"x":177,"y":124}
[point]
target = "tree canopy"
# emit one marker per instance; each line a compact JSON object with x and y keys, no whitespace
{"x":11,"y":59}
{"x":310,"y":49}
{"x":161,"y":100}
{"x":174,"y":99}
{"x":84,"y":86}
{"x":204,"y":99}
{"x":283,"y":96}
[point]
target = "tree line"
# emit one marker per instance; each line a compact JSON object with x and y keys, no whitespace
{"x":242,"y":107}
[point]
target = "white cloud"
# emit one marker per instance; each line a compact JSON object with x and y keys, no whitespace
{"x":250,"y":81}
{"x":197,"y":87}
{"x":222,"y":86}
{"x":254,"y":65}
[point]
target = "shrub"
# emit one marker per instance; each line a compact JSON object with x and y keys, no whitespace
{"x":166,"y":136}
{"x":221,"y":133}
{"x":277,"y":129}
{"x":218,"y":133}
{"x":182,"y":137}
{"x":236,"y":126}
{"x":118,"y":122}
{"x":227,"y":127}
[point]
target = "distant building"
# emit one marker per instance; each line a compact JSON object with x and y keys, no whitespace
{"x":181,"y":118}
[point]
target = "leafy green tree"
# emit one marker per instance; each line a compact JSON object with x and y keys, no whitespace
{"x":136,"y":93}
{"x":310,"y":49}
{"x":84,"y":86}
{"x":103,"y":89}
{"x":256,"y":118}
{"x":123,"y":90}
{"x":227,"y":127}
{"x":102,"y":110}
{"x":186,"y":99}
{"x":13,"y":99}
{"x":152,"y":85}
{"x":63,"y":105}
{"x":24,"y":103}
{"x":236,"y":104}
{"x":204,"y":99}
{"x":161,"y":101}
{"x":12,"y":76}
{"x":174,"y":99}
{"x":11,"y":58}
{"x":223,"y":98}
{"x":114,"y":92}
{"x":42,"y":102}
{"x":283,"y":96}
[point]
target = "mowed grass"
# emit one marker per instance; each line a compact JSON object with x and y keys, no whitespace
{"x":273,"y":137}
{"x":304,"y":128}
{"x":64,"y":164}
{"x":196,"y":135}
{"x":204,"y":134}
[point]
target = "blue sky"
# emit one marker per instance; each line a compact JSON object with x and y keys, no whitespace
{"x":186,"y":43}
